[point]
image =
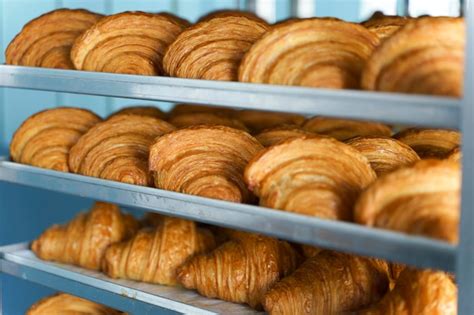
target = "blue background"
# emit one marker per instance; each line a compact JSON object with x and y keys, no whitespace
{"x":26,"y":212}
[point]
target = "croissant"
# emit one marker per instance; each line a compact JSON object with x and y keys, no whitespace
{"x":191,"y":108}
{"x":316,"y":52}
{"x":47,"y":40}
{"x":418,"y":292}
{"x":426,"y":56}
{"x":422,"y":199}
{"x":153,"y":255}
{"x":317,"y":176}
{"x":430,"y":143}
{"x":117,"y":149}
{"x":385,"y":26}
{"x":384,"y":154}
{"x":212,"y":49}
{"x":344,"y":129}
{"x":63,"y":303}
{"x":207,"y":161}
{"x":329,"y":283}
{"x":272,"y":136}
{"x":241,"y":270}
{"x":206,"y":118}
{"x":128,"y":42}
{"x":141,"y":111}
{"x":44,"y":139}
{"x":455,"y":154}
{"x":83,"y":240}
{"x":152,"y":219}
{"x":258,"y":121}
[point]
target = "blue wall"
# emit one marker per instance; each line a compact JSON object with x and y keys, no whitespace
{"x":25,"y":212}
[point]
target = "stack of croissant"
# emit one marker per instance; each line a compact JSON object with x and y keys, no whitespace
{"x":385,"y":53}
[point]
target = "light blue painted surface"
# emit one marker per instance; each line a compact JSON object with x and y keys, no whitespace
{"x":26,"y":212}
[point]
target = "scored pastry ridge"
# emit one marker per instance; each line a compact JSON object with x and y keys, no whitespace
{"x":317,"y":52}
{"x":46,"y":41}
{"x":127,"y":42}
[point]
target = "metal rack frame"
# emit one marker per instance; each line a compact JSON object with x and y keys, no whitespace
{"x":394,"y":108}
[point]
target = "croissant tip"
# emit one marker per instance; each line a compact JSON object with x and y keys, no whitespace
{"x":185,"y":277}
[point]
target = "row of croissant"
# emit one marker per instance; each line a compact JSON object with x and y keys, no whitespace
{"x":328,"y":168}
{"x":385,"y":53}
{"x":241,"y":267}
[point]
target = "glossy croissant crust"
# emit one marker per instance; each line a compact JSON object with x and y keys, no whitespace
{"x":44,"y":139}
{"x":206,"y":118}
{"x":117,"y":149}
{"x":64,"y":304}
{"x":207,"y":161}
{"x":384,"y":154}
{"x":344,"y":129}
{"x":422,"y":199}
{"x":316,"y":52}
{"x":385,"y":26}
{"x":192,"y":108}
{"x":418,"y":292}
{"x":140,"y":111}
{"x":227,"y":13}
{"x":128,"y":42}
{"x":316,"y":176}
{"x":241,"y":270}
{"x":153,"y":255}
{"x":430,"y":143}
{"x":47,"y":40}
{"x":426,"y":56}
{"x":258,"y":121}
{"x":213,"y":48}
{"x":84,"y":239}
{"x":329,"y":283}
{"x":455,"y":154}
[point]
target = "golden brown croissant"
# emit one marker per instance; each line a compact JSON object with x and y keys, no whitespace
{"x":117,"y":149}
{"x":66,"y":304}
{"x":455,"y":154}
{"x":152,"y":219}
{"x":207,"y":161}
{"x":430,"y":143}
{"x":258,"y":121}
{"x":83,"y":240}
{"x":344,"y":129}
{"x":194,"y":119}
{"x":422,"y":199}
{"x":316,"y":52}
{"x":385,"y":26}
{"x":426,"y":56}
{"x":241,"y":270}
{"x":141,"y":111}
{"x":44,"y":139}
{"x":128,"y":42}
{"x":47,"y":40}
{"x":192,"y":108}
{"x":269,"y":137}
{"x":418,"y":292}
{"x":316,"y":176}
{"x":212,"y":49}
{"x":153,"y":255}
{"x":329,"y":283}
{"x":384,"y":154}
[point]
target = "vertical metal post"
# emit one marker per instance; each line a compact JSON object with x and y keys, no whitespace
{"x":303,"y":8}
{"x":465,"y":257}
{"x":406,"y":8}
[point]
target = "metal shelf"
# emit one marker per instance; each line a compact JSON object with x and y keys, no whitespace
{"x":388,"y":107}
{"x":129,"y":296}
{"x":348,"y":237}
